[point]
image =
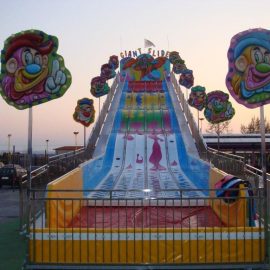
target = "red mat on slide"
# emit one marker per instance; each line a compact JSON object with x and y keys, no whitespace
{"x":145,"y":217}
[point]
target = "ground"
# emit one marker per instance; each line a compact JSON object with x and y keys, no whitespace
{"x":12,"y":243}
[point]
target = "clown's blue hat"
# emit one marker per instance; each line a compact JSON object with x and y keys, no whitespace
{"x":252,"y":37}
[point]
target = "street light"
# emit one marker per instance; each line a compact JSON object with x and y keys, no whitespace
{"x":75,"y":133}
{"x":9,"y":135}
{"x":201,"y":119}
{"x":47,"y":149}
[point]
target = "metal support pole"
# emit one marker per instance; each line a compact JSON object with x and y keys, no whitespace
{"x":84,"y":136}
{"x":198,"y":116}
{"x":76,"y":133}
{"x":29,"y":176}
{"x":9,"y":154}
{"x":264,"y":178}
{"x":29,"y":151}
{"x":99,"y":114}
{"x":218,"y":133}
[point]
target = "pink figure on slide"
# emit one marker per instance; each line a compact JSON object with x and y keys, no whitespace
{"x":156,"y":155}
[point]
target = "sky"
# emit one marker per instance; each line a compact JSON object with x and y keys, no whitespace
{"x":90,"y":31}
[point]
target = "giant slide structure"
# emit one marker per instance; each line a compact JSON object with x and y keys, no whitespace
{"x":145,"y":198}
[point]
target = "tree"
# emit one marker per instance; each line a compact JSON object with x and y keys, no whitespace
{"x":254,"y":126}
{"x":219,"y":128}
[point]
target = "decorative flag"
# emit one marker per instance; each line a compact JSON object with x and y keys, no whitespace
{"x":148,"y":43}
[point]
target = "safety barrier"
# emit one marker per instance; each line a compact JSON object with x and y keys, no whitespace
{"x":171,"y":233}
{"x":57,"y":165}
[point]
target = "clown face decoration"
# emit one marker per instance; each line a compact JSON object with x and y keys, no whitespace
{"x":197,"y":97}
{"x":173,"y":57}
{"x":186,"y":78}
{"x":218,"y":108}
{"x":107,"y":71}
{"x":99,"y":86}
{"x":32,"y":72}
{"x":84,"y":112}
{"x":114,"y":62}
{"x":248,"y":79}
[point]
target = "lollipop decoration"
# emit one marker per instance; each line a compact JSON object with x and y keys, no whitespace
{"x":84,"y":112}
{"x":32,"y":72}
{"x":99,"y":85}
{"x":218,"y":108}
{"x":197,"y":97}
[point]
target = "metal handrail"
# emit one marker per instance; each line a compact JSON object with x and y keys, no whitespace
{"x":225,"y":154}
{"x":94,"y":135}
{"x":201,"y":145}
{"x":66,"y":155}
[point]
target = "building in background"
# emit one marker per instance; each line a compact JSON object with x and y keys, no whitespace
{"x":245,"y":145}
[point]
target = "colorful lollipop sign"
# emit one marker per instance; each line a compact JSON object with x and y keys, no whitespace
{"x":218,"y":107}
{"x":84,"y":112}
{"x":248,"y":78}
{"x":32,"y":72}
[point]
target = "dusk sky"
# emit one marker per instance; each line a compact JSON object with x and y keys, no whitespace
{"x":90,"y":31}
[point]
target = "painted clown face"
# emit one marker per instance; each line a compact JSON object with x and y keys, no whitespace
{"x":218,"y":107}
{"x":248,"y":79}
{"x":84,"y":112}
{"x":197,"y":97}
{"x":32,"y":73}
{"x":99,"y":87}
{"x":255,"y":65}
{"x":29,"y":68}
{"x":186,"y":78}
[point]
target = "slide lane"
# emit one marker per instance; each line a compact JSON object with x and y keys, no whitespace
{"x":109,"y":180}
{"x":174,"y":163}
{"x":132,"y":176}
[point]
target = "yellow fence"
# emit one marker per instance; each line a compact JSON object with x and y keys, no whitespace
{"x":202,"y":245}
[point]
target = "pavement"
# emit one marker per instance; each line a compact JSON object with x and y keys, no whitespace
{"x":13,"y":245}
{"x":9,"y":204}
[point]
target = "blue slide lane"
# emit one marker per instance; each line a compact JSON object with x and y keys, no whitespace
{"x":195,"y":169}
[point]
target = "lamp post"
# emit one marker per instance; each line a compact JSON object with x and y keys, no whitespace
{"x":75,"y":133}
{"x":201,"y":119}
{"x":9,"y":136}
{"x":47,"y":150}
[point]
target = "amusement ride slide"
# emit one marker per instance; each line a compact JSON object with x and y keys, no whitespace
{"x":147,"y":155}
